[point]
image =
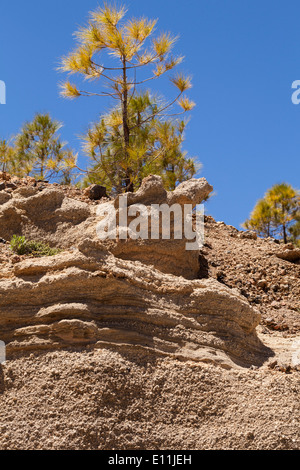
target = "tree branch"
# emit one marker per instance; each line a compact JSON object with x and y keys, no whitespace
{"x":158,"y":112}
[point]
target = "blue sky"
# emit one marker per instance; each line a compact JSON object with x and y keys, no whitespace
{"x":243,"y":56}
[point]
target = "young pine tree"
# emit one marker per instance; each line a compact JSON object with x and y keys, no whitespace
{"x":261,"y":219}
{"x":155,"y":147}
{"x":285,"y":203}
{"x":294,"y":231}
{"x":7,"y":156}
{"x":40,"y":152}
{"x":115,"y":52}
{"x":277,"y":214}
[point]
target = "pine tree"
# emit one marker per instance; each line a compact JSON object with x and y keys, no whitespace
{"x":294,"y":230}
{"x":155,"y":147}
{"x":40,"y":152}
{"x":261,"y":219}
{"x":7,"y":156}
{"x":284,"y":200}
{"x":277,"y":214}
{"x":126,"y":43}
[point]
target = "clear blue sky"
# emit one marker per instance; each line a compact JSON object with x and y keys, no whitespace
{"x":243,"y":56}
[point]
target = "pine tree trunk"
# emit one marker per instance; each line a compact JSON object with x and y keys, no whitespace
{"x":284,"y":234}
{"x":126,"y":131}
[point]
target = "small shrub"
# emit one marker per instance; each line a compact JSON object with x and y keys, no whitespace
{"x":21,"y":246}
{"x":18,"y":245}
{"x":41,"y":249}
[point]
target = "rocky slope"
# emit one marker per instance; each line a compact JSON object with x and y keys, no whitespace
{"x":264,"y":272}
{"x":169,"y":351}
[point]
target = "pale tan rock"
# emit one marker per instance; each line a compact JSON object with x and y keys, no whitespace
{"x":169,"y":256}
{"x":52,"y":217}
{"x":94,"y":298}
{"x":292,"y":255}
{"x":46,"y":215}
{"x":193,"y":191}
{"x":152,"y":191}
{"x":105,"y":353}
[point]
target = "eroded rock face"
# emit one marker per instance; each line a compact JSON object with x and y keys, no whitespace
{"x":52,"y":217}
{"x":119,"y":294}
{"x":152,"y":191}
{"x":47,"y":216}
{"x":169,"y":256}
{"x":119,"y":355}
{"x":89,"y":297}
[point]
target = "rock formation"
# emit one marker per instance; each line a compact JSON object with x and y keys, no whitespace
{"x":169,"y":256}
{"x":89,"y":297}
{"x":118,"y":293}
{"x":61,"y":221}
{"x":139,"y":344}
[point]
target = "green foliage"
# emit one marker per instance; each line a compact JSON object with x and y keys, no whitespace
{"x":39,"y":150}
{"x":261,"y":219}
{"x":277,"y":214}
{"x":21,"y":246}
{"x":137,"y":137}
{"x":294,"y":231}
{"x":18,"y":245}
{"x":7,"y":156}
{"x":154,"y":147}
